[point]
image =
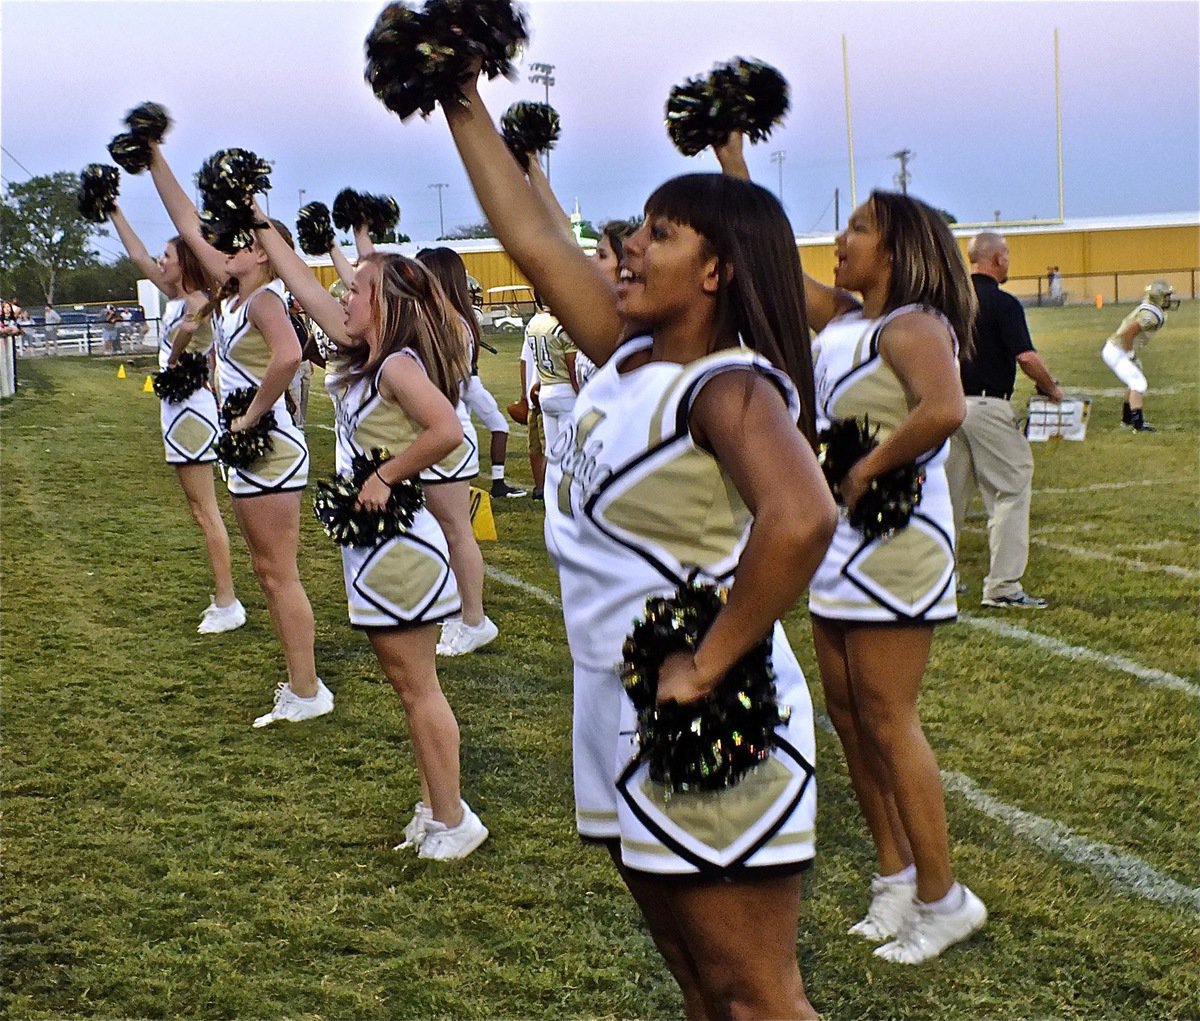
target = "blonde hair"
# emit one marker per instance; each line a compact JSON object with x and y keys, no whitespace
{"x":411,"y":310}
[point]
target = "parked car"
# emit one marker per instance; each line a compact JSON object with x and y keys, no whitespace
{"x":507,"y":308}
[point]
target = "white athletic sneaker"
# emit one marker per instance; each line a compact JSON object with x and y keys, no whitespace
{"x":926,"y":933}
{"x":442,"y":843}
{"x":890,"y":905}
{"x":446,"y":639}
{"x":466,"y":638}
{"x":290,"y":707}
{"x":222,"y":618}
{"x":414,"y":832}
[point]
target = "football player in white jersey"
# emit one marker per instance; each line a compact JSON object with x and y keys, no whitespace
{"x":1120,"y":351}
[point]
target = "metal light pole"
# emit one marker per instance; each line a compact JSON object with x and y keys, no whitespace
{"x":778,"y":157}
{"x":903,"y":177}
{"x":441,"y":221}
{"x":543,"y":74}
{"x":303,"y":192}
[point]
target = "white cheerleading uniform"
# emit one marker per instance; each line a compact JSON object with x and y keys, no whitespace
{"x":242,"y":360}
{"x":462,"y":463}
{"x":405,"y":581}
{"x":1124,"y":360}
{"x":908,"y":576}
{"x":634,"y":508}
{"x":190,"y":426}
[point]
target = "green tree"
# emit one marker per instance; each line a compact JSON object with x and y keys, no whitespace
{"x":41,"y":230}
{"x":470,"y":230}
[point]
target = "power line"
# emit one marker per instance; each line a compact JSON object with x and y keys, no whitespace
{"x":16,"y":161}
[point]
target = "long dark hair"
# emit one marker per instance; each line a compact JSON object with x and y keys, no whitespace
{"x":760,"y":297}
{"x":194,"y":278}
{"x":448,"y":268}
{"x":927,"y":266}
{"x":411,"y":310}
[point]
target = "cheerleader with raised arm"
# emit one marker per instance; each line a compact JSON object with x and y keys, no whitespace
{"x":683,"y":464}
{"x":189,"y":412}
{"x":258,"y":353}
{"x":397,"y":366}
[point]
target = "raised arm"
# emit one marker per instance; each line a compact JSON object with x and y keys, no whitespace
{"x":345,"y":271}
{"x":541,"y":188}
{"x":363,"y":244}
{"x":322,"y":307}
{"x":138,"y":254}
{"x":184,"y":215}
{"x":572,"y":285}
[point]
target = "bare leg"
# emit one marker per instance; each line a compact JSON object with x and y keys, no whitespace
{"x":201,"y":493}
{"x":450,"y":503}
{"x":870,"y":780}
{"x":408,"y":660}
{"x":271,"y":525}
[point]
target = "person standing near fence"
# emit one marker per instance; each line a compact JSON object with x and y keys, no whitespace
{"x":989,"y":450}
{"x":52,"y":321}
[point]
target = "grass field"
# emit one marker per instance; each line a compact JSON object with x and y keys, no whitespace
{"x":163,"y":860}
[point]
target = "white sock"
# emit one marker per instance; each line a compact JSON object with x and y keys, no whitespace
{"x":950,"y":903}
{"x":907,"y":875}
{"x":497,"y":472}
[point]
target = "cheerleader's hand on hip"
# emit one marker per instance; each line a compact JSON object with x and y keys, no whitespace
{"x":680,"y":681}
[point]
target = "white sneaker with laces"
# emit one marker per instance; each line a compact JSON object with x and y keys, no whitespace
{"x":217,"y":619}
{"x":890,"y":905}
{"x":926,"y":933}
{"x":414,"y":832}
{"x":467,"y":638}
{"x":448,"y":636}
{"x":292,"y":708}
{"x":443,"y":843}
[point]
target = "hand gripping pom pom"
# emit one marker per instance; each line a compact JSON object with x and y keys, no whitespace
{"x":178,"y":382}
{"x":227,"y":181}
{"x":314,"y":232}
{"x":335,"y":505}
{"x":529,"y":128}
{"x":711,"y":744}
{"x":889,"y":502}
{"x":242,"y":449}
{"x":99,"y":185}
{"x":743,"y":95}
{"x":131,"y":152}
{"x":417,"y":59}
{"x":149,"y":121}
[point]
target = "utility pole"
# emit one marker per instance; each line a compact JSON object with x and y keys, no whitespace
{"x":543,"y":74}
{"x":778,"y":156}
{"x":441,"y":221}
{"x":303,"y":192}
{"x":903,"y":177}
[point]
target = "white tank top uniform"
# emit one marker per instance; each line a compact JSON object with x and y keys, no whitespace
{"x":242,"y":357}
{"x":462,"y":463}
{"x":189,"y":427}
{"x":907,"y":576}
{"x":405,"y":581}
{"x":634,"y":508}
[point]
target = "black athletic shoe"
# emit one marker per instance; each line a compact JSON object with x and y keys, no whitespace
{"x":501,"y":490}
{"x":1139,"y":423}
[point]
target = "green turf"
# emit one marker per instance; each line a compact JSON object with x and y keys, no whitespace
{"x":162,"y":859}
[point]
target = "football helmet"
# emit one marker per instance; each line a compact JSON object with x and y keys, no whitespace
{"x":1162,"y":294}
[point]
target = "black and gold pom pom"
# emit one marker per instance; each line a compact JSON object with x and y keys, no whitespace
{"x":352,"y":209}
{"x":242,"y":449}
{"x":711,"y":744}
{"x":131,"y":152}
{"x":178,"y":382}
{"x":419,"y":58}
{"x":335,"y":505}
{"x":228,"y":181}
{"x":314,"y":232}
{"x":891,"y":498}
{"x":529,"y":128}
{"x":99,"y":185}
{"x":742,"y":95}
{"x":149,"y":121}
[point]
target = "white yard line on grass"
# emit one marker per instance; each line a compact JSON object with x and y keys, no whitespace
{"x":1125,"y":871}
{"x":1099,"y":487}
{"x":1102,"y":860}
{"x":1113,"y":558}
{"x":1150,"y":675}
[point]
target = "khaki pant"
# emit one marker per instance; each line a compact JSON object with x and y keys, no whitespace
{"x":990,"y":451}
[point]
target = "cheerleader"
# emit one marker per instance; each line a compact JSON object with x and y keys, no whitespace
{"x":683,"y":459}
{"x":257,"y":347}
{"x":398,"y":366}
{"x":874,"y":601}
{"x":189,"y":425}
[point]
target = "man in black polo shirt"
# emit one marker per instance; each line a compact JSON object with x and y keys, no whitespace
{"x":989,"y":450}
